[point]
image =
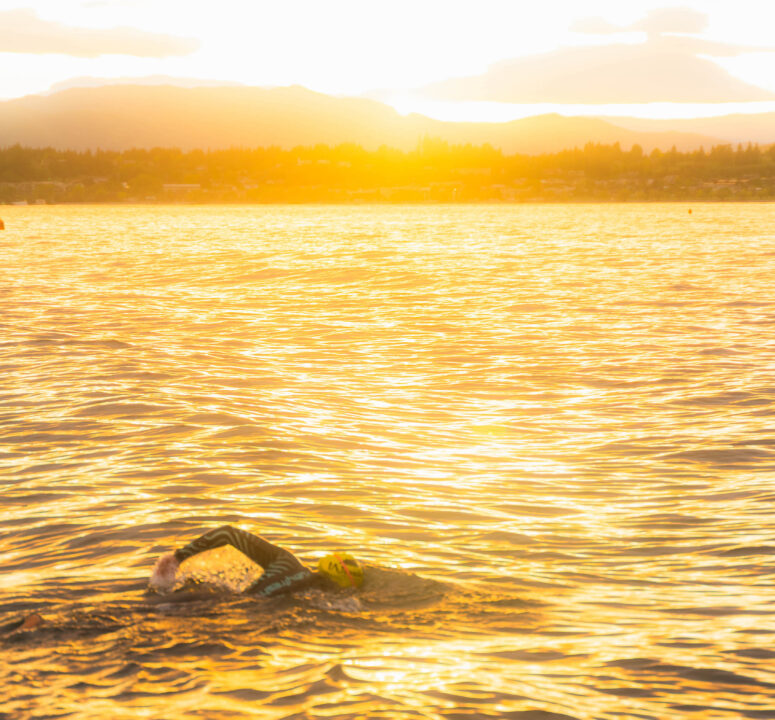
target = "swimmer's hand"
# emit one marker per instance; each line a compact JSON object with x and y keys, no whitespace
{"x":164,"y":573}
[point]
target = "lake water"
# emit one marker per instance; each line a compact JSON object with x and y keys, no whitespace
{"x":548,"y":431}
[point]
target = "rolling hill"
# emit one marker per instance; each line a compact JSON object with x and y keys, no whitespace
{"x":733,"y":129}
{"x":120,"y":117}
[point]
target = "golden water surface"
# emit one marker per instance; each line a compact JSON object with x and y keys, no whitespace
{"x":549,"y":432}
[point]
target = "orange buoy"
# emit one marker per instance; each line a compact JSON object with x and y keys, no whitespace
{"x":2,"y":224}
{"x":31,"y":622}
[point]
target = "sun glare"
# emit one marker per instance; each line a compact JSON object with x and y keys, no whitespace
{"x":397,"y":53}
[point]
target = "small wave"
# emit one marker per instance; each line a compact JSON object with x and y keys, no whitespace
{"x":754,"y":653}
{"x":385,"y":589}
{"x":715,"y":676}
{"x":746,"y":551}
{"x":725,"y":457}
{"x":121,"y":410}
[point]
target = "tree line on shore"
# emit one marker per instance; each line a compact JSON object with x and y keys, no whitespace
{"x":435,"y":171}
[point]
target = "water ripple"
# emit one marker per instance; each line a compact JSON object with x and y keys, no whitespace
{"x":547,"y":430}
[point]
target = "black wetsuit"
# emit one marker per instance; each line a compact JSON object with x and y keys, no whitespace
{"x":282,"y":570}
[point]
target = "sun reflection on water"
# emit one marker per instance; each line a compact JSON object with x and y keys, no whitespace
{"x":545,"y":430}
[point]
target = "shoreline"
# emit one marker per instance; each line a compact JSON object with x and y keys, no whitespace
{"x":397,"y":203}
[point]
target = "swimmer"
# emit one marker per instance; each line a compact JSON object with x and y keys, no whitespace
{"x":283,"y":573}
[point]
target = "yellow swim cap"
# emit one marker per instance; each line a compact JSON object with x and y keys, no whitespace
{"x":342,"y":568}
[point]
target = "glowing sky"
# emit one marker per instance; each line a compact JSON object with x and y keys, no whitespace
{"x":488,"y":59}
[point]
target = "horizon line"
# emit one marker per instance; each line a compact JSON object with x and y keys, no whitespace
{"x":406,"y":104}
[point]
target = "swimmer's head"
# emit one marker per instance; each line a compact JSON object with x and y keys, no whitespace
{"x":342,"y":568}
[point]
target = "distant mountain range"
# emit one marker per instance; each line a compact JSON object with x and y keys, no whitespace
{"x":755,"y":128}
{"x":119,"y":117}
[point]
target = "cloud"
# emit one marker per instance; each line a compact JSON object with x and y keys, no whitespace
{"x":657,"y":22}
{"x":22,"y":31}
{"x":667,"y":67}
{"x":672,"y":20}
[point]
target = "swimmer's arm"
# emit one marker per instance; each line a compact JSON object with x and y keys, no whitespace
{"x":257,"y":549}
